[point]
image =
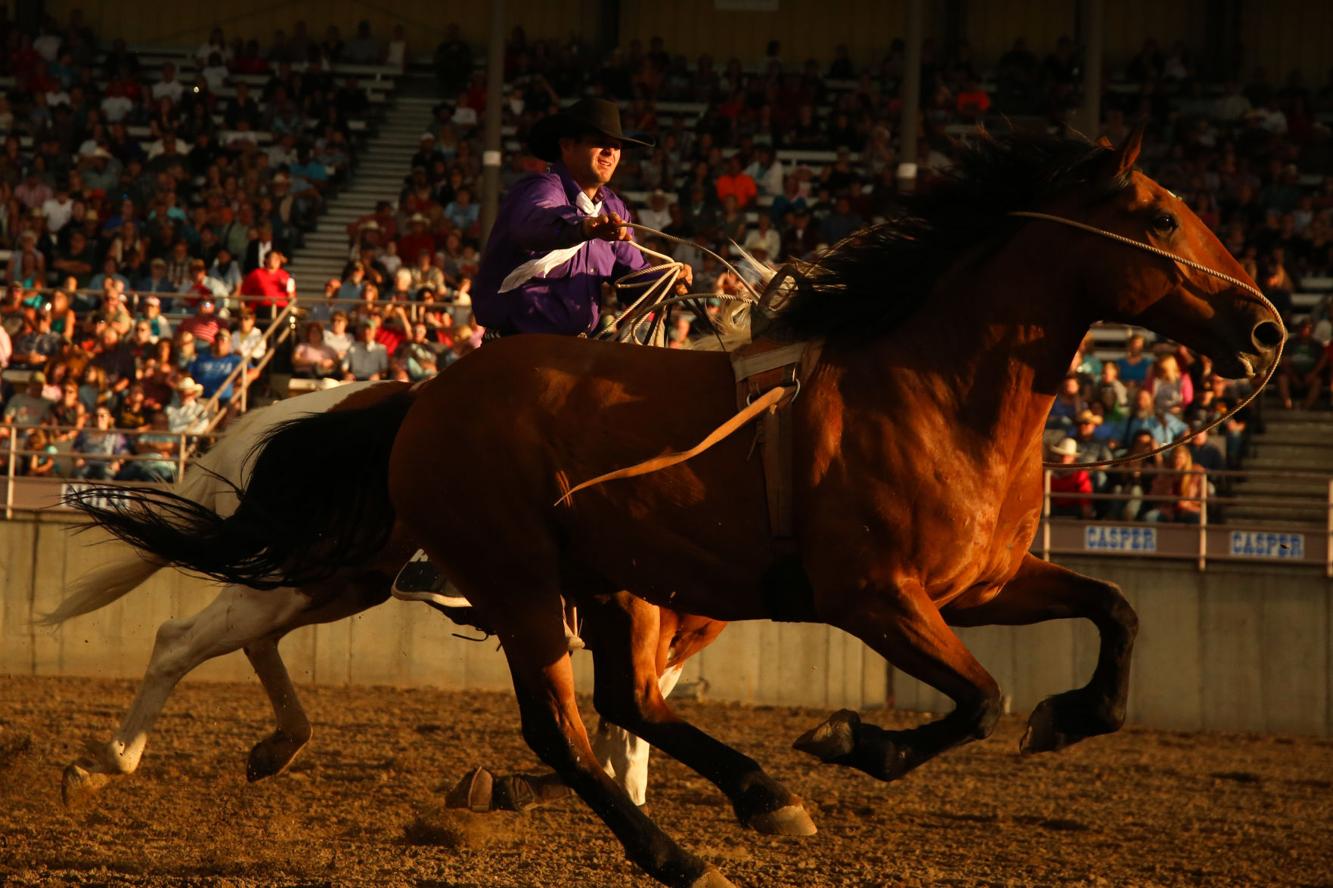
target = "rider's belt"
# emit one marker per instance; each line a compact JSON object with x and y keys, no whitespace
{"x":761,"y":367}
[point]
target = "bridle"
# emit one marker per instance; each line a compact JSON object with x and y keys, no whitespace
{"x":1196,"y":266}
{"x":667,"y":274}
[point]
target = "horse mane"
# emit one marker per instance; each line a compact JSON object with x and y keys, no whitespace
{"x":879,"y":276}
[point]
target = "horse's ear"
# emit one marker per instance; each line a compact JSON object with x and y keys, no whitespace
{"x":1122,"y":162}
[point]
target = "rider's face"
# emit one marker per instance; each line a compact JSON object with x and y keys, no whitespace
{"x":592,"y":159}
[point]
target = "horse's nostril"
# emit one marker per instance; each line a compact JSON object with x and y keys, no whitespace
{"x":1266,"y":335}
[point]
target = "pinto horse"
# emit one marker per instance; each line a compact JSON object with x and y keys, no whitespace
{"x":243,"y":618}
{"x":946,"y":332}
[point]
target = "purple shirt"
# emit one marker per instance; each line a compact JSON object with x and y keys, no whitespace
{"x":538,"y":216}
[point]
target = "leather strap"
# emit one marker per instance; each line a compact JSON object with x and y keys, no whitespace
{"x":766,"y":401}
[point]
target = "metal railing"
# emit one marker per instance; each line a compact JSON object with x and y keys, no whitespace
{"x":1213,"y":537}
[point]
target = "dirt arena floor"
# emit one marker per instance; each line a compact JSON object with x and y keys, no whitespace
{"x":363,"y":806}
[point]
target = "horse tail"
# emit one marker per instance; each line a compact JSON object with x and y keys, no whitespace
{"x":125,"y":570}
{"x":317,"y":501}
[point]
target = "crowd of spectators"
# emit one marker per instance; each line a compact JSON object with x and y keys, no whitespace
{"x":147,"y":209}
{"x":782,"y":159}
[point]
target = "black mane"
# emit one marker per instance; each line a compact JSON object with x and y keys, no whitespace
{"x":877,"y":277}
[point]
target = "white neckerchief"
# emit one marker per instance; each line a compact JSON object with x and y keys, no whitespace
{"x":544,"y":265}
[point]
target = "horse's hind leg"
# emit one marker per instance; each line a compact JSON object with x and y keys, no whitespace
{"x":1043,"y":591}
{"x":534,"y":643}
{"x":903,"y":626}
{"x":275,"y":753}
{"x":237,"y":617}
{"x":625,"y":654}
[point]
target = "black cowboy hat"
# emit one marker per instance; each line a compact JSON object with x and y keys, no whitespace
{"x":583,"y":117}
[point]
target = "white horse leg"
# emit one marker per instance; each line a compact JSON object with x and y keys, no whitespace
{"x":624,"y":756}
{"x":237,"y":617}
{"x":275,"y":753}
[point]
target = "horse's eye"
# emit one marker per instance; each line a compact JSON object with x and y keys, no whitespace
{"x":1164,"y":223}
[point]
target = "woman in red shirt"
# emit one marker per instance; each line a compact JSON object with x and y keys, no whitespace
{"x":267,"y":289}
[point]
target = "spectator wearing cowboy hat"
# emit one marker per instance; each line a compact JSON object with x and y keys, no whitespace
{"x":187,"y":413}
{"x":559,"y":235}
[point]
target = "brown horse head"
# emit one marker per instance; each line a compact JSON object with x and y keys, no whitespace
{"x":1229,"y":323}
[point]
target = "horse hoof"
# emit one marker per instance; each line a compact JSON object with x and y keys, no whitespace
{"x":789,"y":820}
{"x":833,"y":739}
{"x":473,"y":792}
{"x":78,"y":785}
{"x":273,"y":755}
{"x":712,"y":878}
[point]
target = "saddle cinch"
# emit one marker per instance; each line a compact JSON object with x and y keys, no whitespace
{"x":768,"y":373}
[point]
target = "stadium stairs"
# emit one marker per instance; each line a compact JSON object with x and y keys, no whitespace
{"x":1295,"y":442}
{"x":378,"y":175}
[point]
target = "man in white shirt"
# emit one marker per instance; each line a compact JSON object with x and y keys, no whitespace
{"x":58,"y":210}
{"x":767,"y":171}
{"x":764,"y":242}
{"x":366,"y":359}
{"x":657,"y":214}
{"x":168,"y":86}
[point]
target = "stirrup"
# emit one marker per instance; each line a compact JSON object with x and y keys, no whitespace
{"x":420,"y":581}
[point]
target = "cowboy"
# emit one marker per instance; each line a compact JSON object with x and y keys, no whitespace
{"x":558,"y":237}
{"x":560,"y":234}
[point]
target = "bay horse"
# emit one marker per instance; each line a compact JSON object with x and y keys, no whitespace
{"x":255,"y":621}
{"x":945,"y":333}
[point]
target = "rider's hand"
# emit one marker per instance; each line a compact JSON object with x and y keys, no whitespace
{"x":608,"y":227}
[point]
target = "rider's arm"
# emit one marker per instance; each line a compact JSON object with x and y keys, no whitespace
{"x":541,"y":217}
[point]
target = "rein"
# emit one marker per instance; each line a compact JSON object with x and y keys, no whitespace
{"x":1188,"y":263}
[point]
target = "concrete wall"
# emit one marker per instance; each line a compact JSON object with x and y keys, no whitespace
{"x":1235,"y":648}
{"x":397,"y":643}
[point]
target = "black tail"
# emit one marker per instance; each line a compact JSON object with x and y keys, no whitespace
{"x":317,"y":501}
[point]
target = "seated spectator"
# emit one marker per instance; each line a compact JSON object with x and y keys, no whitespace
{"x":314,"y":358}
{"x":1172,"y":391}
{"x":766,"y":171}
{"x":116,"y":360}
{"x":463,"y":214}
{"x":418,"y":240}
{"x":132,"y":416}
{"x":213,"y":369}
{"x":1182,"y":489}
{"x":418,"y":356}
{"x":801,"y":239}
{"x":1069,"y":483}
{"x":158,"y":442}
{"x":1068,"y":404}
{"x":97,"y":447}
{"x":367,"y":359}
{"x":1133,"y":479}
{"x":226,"y":270}
{"x":249,"y":339}
{"x":94,"y":389}
{"x":336,"y":336}
{"x":735,"y":182}
{"x":657,"y":214}
{"x":187,"y":414}
{"x":203,"y":325}
{"x":68,"y":413}
{"x":1134,"y":366}
{"x":40,"y":460}
{"x":1163,"y":427}
{"x":159,"y":327}
{"x":36,"y":344}
{"x":1298,"y":375}
{"x":27,"y":408}
{"x":200,"y":286}
{"x":840,"y":223}
{"x":1111,"y":393}
{"x":77,"y":260}
{"x":267,"y":290}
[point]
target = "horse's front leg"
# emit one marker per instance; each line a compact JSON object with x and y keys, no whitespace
{"x":625,"y":644}
{"x":1043,"y":591}
{"x":903,"y":625}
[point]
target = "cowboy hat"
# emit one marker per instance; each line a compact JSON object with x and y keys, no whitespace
{"x":1067,"y":447}
{"x":584,"y":116}
{"x":189,"y":385}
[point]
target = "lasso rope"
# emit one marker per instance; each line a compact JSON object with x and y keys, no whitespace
{"x":1188,"y":263}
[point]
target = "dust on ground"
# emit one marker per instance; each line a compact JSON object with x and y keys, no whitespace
{"x":364,"y":804}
